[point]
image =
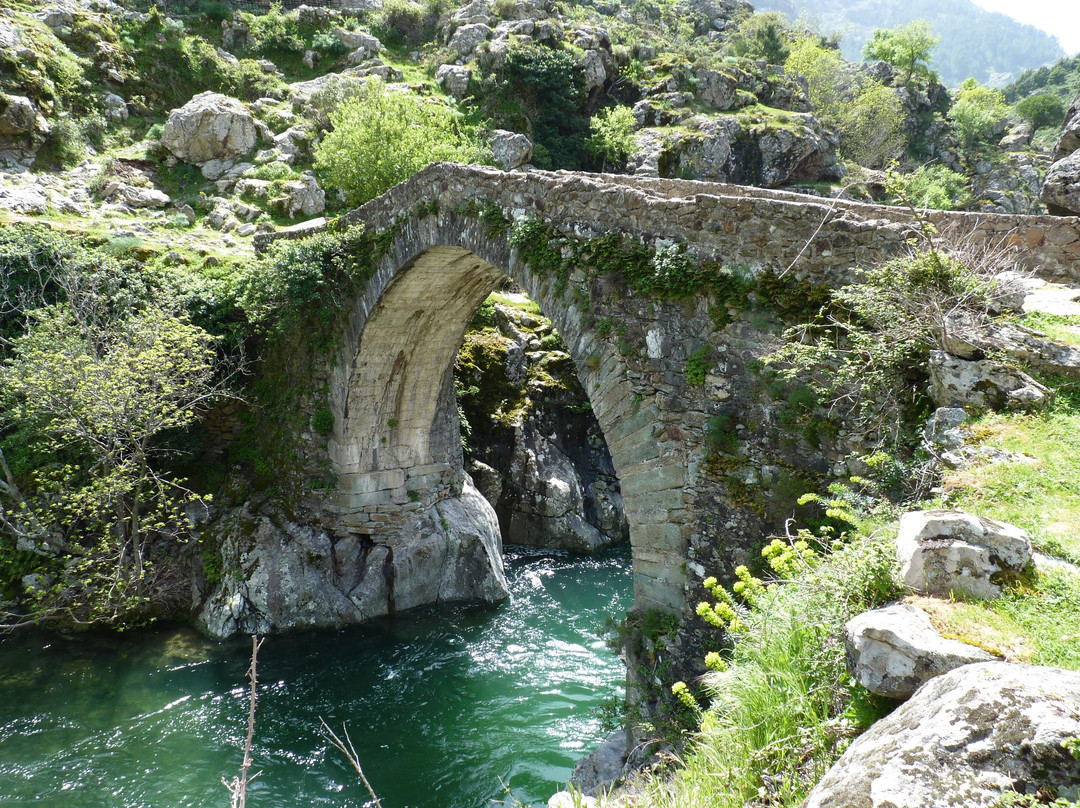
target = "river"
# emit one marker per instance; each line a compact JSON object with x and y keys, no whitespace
{"x":449,"y":708}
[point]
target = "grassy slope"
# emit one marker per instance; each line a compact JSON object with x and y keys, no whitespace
{"x":785,"y":710}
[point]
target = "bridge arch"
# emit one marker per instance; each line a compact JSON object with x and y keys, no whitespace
{"x":396,"y":442}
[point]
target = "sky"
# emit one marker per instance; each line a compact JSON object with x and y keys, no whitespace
{"x":1060,"y":18}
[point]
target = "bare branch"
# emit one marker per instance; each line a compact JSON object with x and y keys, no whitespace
{"x":349,"y":751}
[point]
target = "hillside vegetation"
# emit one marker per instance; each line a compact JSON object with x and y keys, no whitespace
{"x":975,"y":43}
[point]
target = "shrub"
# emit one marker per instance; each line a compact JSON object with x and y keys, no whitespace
{"x":612,"y":139}
{"x":867,"y":115}
{"x":328,"y":44}
{"x":384,"y":137}
{"x":764,"y":36}
{"x":403,"y":23}
{"x":977,"y":112}
{"x":1045,"y":109}
{"x":934,"y":186}
{"x":215,"y":10}
{"x":548,"y":86}
{"x":273,"y":32}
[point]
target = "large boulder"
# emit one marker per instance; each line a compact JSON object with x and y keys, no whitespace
{"x":726,"y":148}
{"x":894,"y":650}
{"x":943,"y":551}
{"x":511,"y":150}
{"x":210,"y":126}
{"x":1061,"y":187}
{"x":284,"y":575}
{"x":454,"y":79}
{"x":969,"y":338}
{"x":983,"y":384}
{"x":303,"y":197}
{"x":1013,"y":186}
{"x":467,"y":38}
{"x":964,"y":739}
{"x":18,"y":116}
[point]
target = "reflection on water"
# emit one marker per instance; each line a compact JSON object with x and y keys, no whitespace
{"x":443,"y":707}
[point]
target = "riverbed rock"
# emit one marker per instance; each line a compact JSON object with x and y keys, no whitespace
{"x":599,"y":769}
{"x":946,"y":551}
{"x":892,"y":651}
{"x":983,"y":384}
{"x":210,"y":126}
{"x":283,"y":575}
{"x":964,"y":739}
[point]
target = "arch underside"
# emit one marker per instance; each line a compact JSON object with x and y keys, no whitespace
{"x":397,"y":442}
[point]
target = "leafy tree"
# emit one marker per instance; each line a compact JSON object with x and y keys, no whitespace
{"x":933,"y":186}
{"x":612,"y":138}
{"x":549,"y":88}
{"x":94,"y":392}
{"x":977,"y":112}
{"x":1044,"y":109}
{"x":867,"y":115}
{"x":908,"y":48}
{"x":384,"y":137}
{"x":764,"y":36}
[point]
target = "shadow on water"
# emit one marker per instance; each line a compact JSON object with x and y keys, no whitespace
{"x":443,"y":705}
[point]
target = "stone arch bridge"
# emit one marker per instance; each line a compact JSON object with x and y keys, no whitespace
{"x":668,"y":379}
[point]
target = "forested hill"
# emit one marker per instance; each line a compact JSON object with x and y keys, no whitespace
{"x":974,"y":42}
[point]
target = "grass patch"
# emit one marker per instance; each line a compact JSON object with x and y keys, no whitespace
{"x":519,"y":302}
{"x":1056,"y":326}
{"x":1042,"y":497}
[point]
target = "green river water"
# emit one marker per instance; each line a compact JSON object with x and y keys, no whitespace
{"x":447,"y":709}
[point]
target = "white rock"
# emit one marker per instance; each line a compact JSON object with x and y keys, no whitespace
{"x":209,"y":127}
{"x":943,"y":551}
{"x":115,"y":107}
{"x":510,"y":149}
{"x":963,"y":739}
{"x":982,"y":384}
{"x":894,"y":650}
{"x":564,"y":799}
{"x":454,"y":79}
{"x":466,"y":39}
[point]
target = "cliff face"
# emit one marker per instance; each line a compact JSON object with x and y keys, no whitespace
{"x":534,"y":447}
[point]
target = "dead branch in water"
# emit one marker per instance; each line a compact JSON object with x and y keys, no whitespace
{"x":238,"y":786}
{"x":349,"y":751}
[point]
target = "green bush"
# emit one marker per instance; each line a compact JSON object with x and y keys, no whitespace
{"x":764,"y":36}
{"x":1044,"y":109}
{"x":612,"y":139}
{"x":384,"y":137}
{"x":401,"y":23}
{"x":867,"y":116}
{"x":215,"y":10}
{"x":548,"y":87}
{"x":934,"y":186}
{"x":977,"y":112}
{"x":274,"y":32}
{"x":328,"y":44}
{"x":908,"y":48}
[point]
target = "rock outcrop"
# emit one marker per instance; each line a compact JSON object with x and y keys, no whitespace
{"x":729,"y":148}
{"x":894,"y":650}
{"x":280,"y":575}
{"x":964,"y":739}
{"x":209,"y":127}
{"x":983,"y":384}
{"x":943,"y":552}
{"x":537,"y":452}
{"x":1061,"y":187}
